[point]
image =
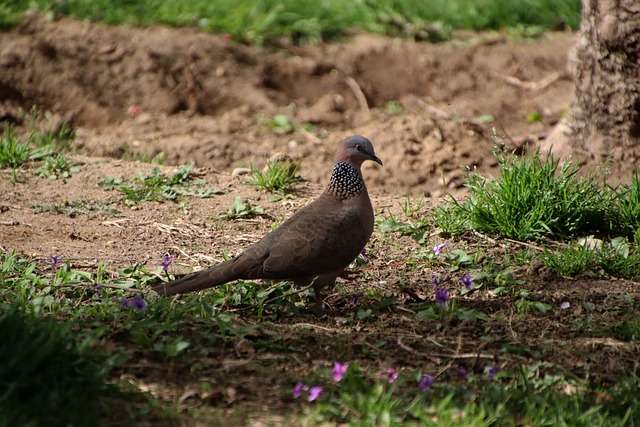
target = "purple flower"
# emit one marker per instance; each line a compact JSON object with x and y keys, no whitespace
{"x":166,"y":262}
{"x":55,"y":261}
{"x":425,"y":383}
{"x":314,"y":393}
{"x":97,"y":288}
{"x":442,"y":296}
{"x":137,"y":303}
{"x":339,"y":370}
{"x":297,"y":390}
{"x":462,"y":373}
{"x":565,"y":305}
{"x":467,"y":281}
{"x":392,"y":375}
{"x":437,"y":249}
{"x":492,"y":371}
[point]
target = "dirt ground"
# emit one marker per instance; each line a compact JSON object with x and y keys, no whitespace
{"x":201,"y":98}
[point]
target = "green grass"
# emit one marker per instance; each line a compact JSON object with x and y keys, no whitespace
{"x":571,"y":261}
{"x":532,"y":395}
{"x":414,"y":228}
{"x":243,"y":209}
{"x":10,"y":14}
{"x":267,"y":20}
{"x":158,"y":187}
{"x":536,"y":199}
{"x":616,"y":258}
{"x":59,"y":140}
{"x":280,"y":124}
{"x":628,"y":330}
{"x":533,"y":199}
{"x":48,"y":147}
{"x":13,"y":152}
{"x":629,"y":206}
{"x":73,"y":208}
{"x":57,"y":166}
{"x":45,"y":374}
{"x":279,"y":177}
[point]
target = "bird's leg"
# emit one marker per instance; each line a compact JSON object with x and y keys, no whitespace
{"x":323,"y":281}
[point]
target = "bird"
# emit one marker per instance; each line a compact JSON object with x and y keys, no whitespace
{"x":313,"y":246}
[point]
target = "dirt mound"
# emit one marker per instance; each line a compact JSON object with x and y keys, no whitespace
{"x":200,"y":97}
{"x":94,"y":73}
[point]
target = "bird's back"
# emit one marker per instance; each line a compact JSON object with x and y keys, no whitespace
{"x":322,"y":237}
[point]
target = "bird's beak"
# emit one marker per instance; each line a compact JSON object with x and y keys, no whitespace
{"x":377,"y":160}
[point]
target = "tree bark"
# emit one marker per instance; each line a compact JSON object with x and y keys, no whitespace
{"x":604,"y":119}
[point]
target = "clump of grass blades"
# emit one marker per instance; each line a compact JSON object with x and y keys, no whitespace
{"x":571,"y":261}
{"x":279,"y":177}
{"x":157,"y":186}
{"x":46,"y":376}
{"x":58,"y":140}
{"x":616,"y":258}
{"x":13,"y":153}
{"x":532,"y":199}
{"x":628,"y":205}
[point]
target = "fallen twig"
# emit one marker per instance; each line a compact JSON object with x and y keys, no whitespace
{"x":532,"y":86}
{"x":358,"y":93}
{"x":435,"y":111}
{"x":450,"y":364}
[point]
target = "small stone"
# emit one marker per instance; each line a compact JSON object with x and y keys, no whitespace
{"x":328,"y":109}
{"x":277,"y":158}
{"x":144,"y":118}
{"x":590,"y":242}
{"x":280,"y":157}
{"x":240,"y":172}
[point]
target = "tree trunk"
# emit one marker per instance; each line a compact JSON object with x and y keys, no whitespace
{"x":604,"y":119}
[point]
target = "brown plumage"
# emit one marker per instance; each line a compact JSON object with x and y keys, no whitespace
{"x":315,"y":244}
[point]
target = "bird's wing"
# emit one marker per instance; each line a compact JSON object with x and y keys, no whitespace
{"x":315,"y":241}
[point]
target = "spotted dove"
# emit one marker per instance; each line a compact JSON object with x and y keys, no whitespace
{"x":314,"y":245}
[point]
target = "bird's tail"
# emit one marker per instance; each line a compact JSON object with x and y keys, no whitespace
{"x":218,"y":275}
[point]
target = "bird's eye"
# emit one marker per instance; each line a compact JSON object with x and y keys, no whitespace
{"x":358,"y":147}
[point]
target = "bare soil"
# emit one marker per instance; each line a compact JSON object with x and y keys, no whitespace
{"x":200,"y":98}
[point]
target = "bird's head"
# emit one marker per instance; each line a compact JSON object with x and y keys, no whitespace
{"x":355,"y":150}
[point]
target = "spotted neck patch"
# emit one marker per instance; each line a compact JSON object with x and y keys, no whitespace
{"x":345,"y":181}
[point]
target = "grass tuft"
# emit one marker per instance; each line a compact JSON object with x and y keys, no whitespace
{"x":59,"y":140}
{"x":629,"y":206}
{"x":46,"y":376}
{"x":279,"y":177}
{"x":158,"y":187}
{"x":616,"y":258}
{"x":266,"y":21}
{"x":532,"y":199}
{"x":13,"y":153}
